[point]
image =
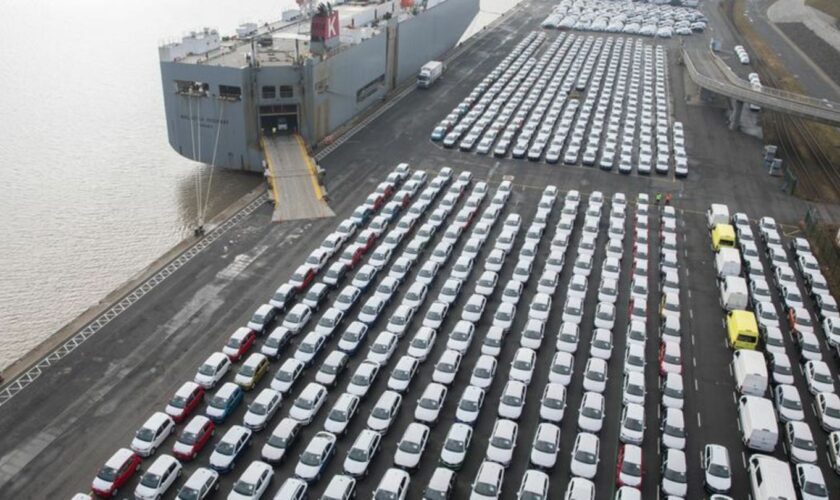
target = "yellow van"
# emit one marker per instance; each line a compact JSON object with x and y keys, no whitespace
{"x":742,"y":329}
{"x":723,"y":235}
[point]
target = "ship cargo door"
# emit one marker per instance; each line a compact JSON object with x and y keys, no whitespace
{"x":279,"y":119}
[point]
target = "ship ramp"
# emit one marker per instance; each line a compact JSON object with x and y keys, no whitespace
{"x":294,"y":179}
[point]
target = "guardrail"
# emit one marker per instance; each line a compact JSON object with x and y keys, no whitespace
{"x":726,"y":82}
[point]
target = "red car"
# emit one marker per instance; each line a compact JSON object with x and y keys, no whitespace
{"x":116,"y":472}
{"x":375,"y":201}
{"x":386,"y":189}
{"x":670,"y":358}
{"x":195,"y":435}
{"x":628,"y":467}
{"x":366,"y":240}
{"x":239,"y":343}
{"x":352,"y":255}
{"x":185,"y":401}
{"x":404,"y":199}
{"x":302,"y":277}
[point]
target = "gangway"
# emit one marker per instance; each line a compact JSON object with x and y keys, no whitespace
{"x":293,"y":178}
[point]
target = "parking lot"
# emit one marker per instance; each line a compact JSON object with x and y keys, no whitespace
{"x":594,"y":101}
{"x":118,"y":378}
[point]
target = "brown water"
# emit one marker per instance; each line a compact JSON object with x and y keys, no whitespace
{"x":90,"y":191}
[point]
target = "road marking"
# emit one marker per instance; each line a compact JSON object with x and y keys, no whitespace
{"x":699,"y":423}
{"x":744,"y":459}
{"x":694,"y":361}
{"x":692,"y":344}
{"x":735,"y":400}
{"x":696,"y":388}
{"x":691,"y":313}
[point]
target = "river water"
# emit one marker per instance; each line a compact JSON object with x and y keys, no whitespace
{"x":90,"y":191}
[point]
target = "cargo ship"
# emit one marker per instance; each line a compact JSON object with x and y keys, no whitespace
{"x":304,"y":75}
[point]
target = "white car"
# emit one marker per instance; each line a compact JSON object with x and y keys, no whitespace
{"x":287,"y":375}
{"x":486,"y":283}
{"x":809,"y":478}
{"x":540,"y":307}
{"x":447,"y":367}
{"x":310,"y":347}
{"x":253,"y":482}
{"x":383,"y":348}
{"x":469,"y":406}
{"x":488,"y":482}
{"x":363,"y":378}
{"x":484,"y":371}
{"x":553,"y":402}
{"x":494,"y":262}
{"x":456,"y":445}
{"x":462,"y":268}
{"x":512,"y":401}
{"x":314,"y":458}
{"x":332,"y":368}
{"x":502,"y":442}
{"x":362,"y":452}
{"x":260,"y":411}
{"x":605,"y":316}
{"x":578,"y":285}
{"x":430,"y":403}
{"x":673,"y":395}
{"x":384,"y":412}
{"x":608,"y":291}
{"x":427,"y":273}
{"x":410,"y":448}
{"x":532,"y":334}
{"x":629,"y":468}
{"x":547,"y":284}
{"x":400,"y":320}
{"x":828,"y":411}
{"x":371,"y":310}
{"x":818,"y":377}
{"x":799,"y":443}
{"x":228,"y":449}
{"x":297,"y":318}
{"x":435,"y":315}
{"x":403,"y":373}
{"x":200,"y":483}
{"x":158,"y":478}
{"x":717,"y":471}
{"x":601,"y":345}
{"x":422,"y":343}
{"x":585,"y":455}
{"x":595,"y":375}
{"x":633,"y":388}
{"x":505,"y":315}
{"x":152,"y":434}
{"x":788,"y":403}
{"x":394,"y":484}
{"x":573,"y":310}
{"x":308,"y":403}
{"x":342,"y":412}
{"x":214,"y":368}
{"x":632,"y":430}
{"x":546,"y":446}
{"x":415,"y":296}
{"x":461,"y":336}
{"x":347,"y":298}
{"x":591,"y":413}
{"x":674,"y":473}
{"x":353,"y":337}
{"x":562,"y":366}
{"x":492,"y":343}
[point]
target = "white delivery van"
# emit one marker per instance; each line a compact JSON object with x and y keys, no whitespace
{"x":733,"y":293}
{"x":429,"y":73}
{"x":728,"y":262}
{"x":770,"y":478}
{"x":758,"y":422}
{"x":717,"y":214}
{"x":750,"y":370}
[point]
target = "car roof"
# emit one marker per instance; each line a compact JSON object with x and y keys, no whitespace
{"x":254,"y":471}
{"x":241,"y":332}
{"x":161,"y":463}
{"x":199,"y":478}
{"x":196,"y":423}
{"x":393,"y":477}
{"x":338,"y":485}
{"x":227,"y":390}
{"x":255,"y":359}
{"x":312,"y":390}
{"x":119,"y":457}
{"x":157,"y":419}
{"x":675,"y":459}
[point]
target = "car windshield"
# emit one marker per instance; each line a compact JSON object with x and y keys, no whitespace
{"x":501,"y":442}
{"x":311,"y":459}
{"x":244,"y":488}
{"x":234,"y":343}
{"x":410,"y":446}
{"x":247,"y":370}
{"x":595,"y":375}
{"x":822,"y":377}
{"x":486,"y":489}
{"x":385,"y":495}
{"x":674,"y":431}
{"x":545,"y":446}
{"x":146,"y":434}
{"x":293,"y":318}
{"x":510,"y":399}
{"x":633,"y":424}
{"x":208,"y":370}
{"x":278,"y":441}
{"x":805,"y":444}
{"x":379,"y":348}
{"x":793,"y":404}
{"x":816,"y":489}
{"x":673,"y":475}
{"x":178,"y":401}
{"x":225,"y":448}
{"x":381,"y":413}
{"x":350,"y":336}
{"x":259,"y":318}
{"x":419,"y":343}
{"x":107,"y":474}
{"x":454,"y":445}
{"x":428,"y":403}
{"x":585,"y":457}
{"x":831,"y":411}
{"x":521,"y":364}
{"x":258,"y":408}
{"x":573,"y":310}
{"x":445,"y":367}
{"x":361,"y":379}
{"x":187,"y":493}
{"x":327,"y":321}
{"x":718,"y":470}
{"x":304,"y":403}
{"x":462,"y":335}
{"x":631,"y":468}
{"x":591,"y":412}
{"x":511,"y":292}
{"x":150,"y":480}
{"x":305,"y":347}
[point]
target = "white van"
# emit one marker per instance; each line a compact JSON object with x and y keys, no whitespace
{"x":770,"y":478}
{"x":758,"y":422}
{"x":733,"y":293}
{"x":750,"y":370}
{"x":717,"y":214}
{"x":727,"y":262}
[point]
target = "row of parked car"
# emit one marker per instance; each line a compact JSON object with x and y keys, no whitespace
{"x":760,"y":417}
{"x":523,"y":106}
{"x":632,"y":18}
{"x":162,"y":474}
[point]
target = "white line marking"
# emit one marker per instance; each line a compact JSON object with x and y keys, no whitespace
{"x":744,"y":459}
{"x":699,"y":423}
{"x":696,"y":389}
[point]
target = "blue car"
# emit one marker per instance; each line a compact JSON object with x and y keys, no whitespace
{"x":226,"y":399}
{"x":361,"y":215}
{"x":438,"y":133}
